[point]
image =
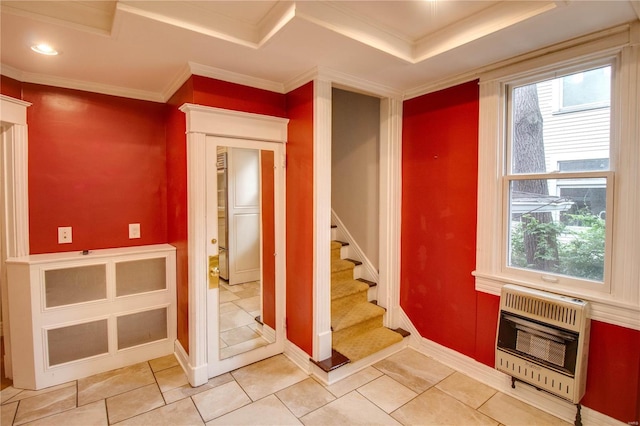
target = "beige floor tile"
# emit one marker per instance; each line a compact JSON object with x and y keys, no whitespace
{"x":234,"y":319}
{"x":249,"y":304}
{"x":387,"y":394}
{"x":24,"y":394}
{"x":248,"y":292}
{"x":220,"y":400}
{"x":267,"y":411}
{"x":183,"y":412}
{"x":227,"y":296}
{"x":8,"y":393}
{"x":46,"y":404}
{"x":467,"y":390}
{"x":114,"y":382}
{"x":242,"y":347}
{"x":171,"y":378}
{"x":268,"y":376}
{"x":163,"y":363}
{"x":93,"y":414}
{"x":350,"y":409}
{"x":305,"y":396}
{"x":238,"y":335}
{"x":414,"y":370}
{"x":435,"y":407}
{"x":354,"y":381}
{"x":186,"y":391}
{"x":512,"y":412}
{"x":8,"y":412}
{"x":132,"y":403}
{"x":228,"y":307}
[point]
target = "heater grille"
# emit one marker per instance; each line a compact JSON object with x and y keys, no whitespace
{"x":561,"y":311}
{"x":541,"y":348}
{"x":543,"y":339}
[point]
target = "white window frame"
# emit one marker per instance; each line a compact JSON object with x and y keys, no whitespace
{"x":620,"y":302}
{"x":558,"y":98}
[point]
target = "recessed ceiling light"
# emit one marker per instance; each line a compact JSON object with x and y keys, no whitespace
{"x":44,"y":49}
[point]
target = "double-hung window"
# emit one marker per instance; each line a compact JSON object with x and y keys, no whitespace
{"x":557,"y":181}
{"x":559,"y":175}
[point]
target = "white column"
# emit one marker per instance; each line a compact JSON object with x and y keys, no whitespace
{"x":322,"y":219}
{"x":390,"y":208}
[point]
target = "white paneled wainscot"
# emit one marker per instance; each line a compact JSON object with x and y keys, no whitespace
{"x":76,"y":314}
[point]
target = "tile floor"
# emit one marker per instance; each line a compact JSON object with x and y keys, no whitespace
{"x":406,"y":388}
{"x":239,"y":306}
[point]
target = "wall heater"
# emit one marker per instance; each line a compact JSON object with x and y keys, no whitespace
{"x":543,"y":340}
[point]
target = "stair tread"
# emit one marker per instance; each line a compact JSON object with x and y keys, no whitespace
{"x":367,"y":282}
{"x":368,"y":342}
{"x":347,"y":288}
{"x":355,"y":314}
{"x":338,"y":265}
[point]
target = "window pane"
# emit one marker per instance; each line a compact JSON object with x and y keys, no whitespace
{"x":562,"y":234}
{"x":588,"y":88}
{"x":543,"y":141}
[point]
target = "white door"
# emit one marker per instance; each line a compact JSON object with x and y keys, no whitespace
{"x":243,"y":215}
{"x":245,"y":317}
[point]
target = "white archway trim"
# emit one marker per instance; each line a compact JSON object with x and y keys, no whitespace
{"x":14,"y":199}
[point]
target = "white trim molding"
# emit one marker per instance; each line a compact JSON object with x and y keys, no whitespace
{"x":14,"y":200}
{"x":322,"y":219}
{"x":390,"y":208}
{"x":251,"y":130}
{"x":620,"y":305}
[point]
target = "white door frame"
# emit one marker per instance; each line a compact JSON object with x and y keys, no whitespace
{"x":202,"y":122}
{"x":390,"y":201}
{"x":14,"y":200}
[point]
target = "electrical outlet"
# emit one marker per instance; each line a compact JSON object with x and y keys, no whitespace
{"x":134,"y":230}
{"x":64,"y":235}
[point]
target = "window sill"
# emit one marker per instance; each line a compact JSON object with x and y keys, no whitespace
{"x":604,"y":308}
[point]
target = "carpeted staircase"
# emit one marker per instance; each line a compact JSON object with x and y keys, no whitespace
{"x":357,"y":323}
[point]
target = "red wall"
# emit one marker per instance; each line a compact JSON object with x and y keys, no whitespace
{"x":439,"y":185}
{"x":10,"y":87}
{"x":440,"y":136}
{"x":300,"y":218}
{"x":97,"y":164}
{"x":221,"y":94}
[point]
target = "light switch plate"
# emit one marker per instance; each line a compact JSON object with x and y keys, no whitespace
{"x":134,"y":230}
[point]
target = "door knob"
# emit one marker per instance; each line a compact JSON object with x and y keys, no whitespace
{"x":213,"y":241}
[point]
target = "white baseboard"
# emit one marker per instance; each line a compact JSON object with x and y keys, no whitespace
{"x":502,"y":382}
{"x":297,"y":356}
{"x":196,"y":376}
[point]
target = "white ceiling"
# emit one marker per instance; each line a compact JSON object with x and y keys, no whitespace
{"x":146,"y":49}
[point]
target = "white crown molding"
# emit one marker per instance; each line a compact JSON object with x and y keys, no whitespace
{"x":180,"y":78}
{"x":234,"y":77}
{"x":48,"y":80}
{"x":343,"y":81}
{"x":10,"y":72}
